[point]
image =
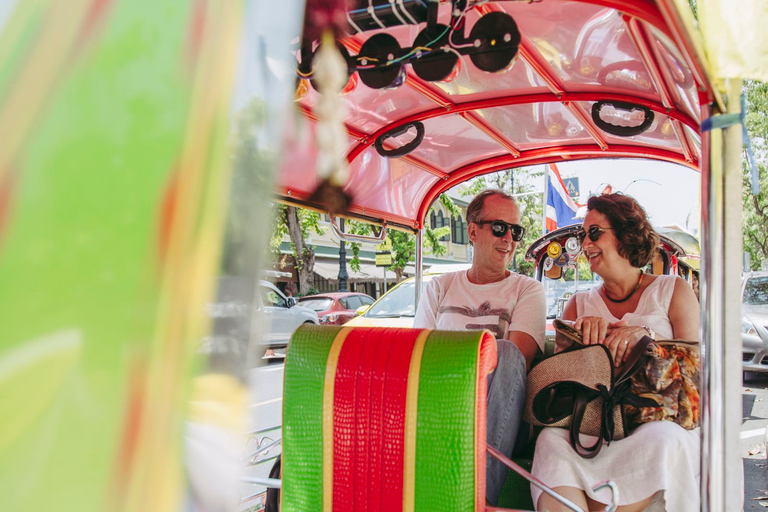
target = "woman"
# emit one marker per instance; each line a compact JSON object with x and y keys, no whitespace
{"x":657,"y":467}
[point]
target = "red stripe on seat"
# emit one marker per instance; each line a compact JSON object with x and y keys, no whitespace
{"x":376,"y":425}
{"x":393,"y":419}
{"x":369,"y":413}
{"x":367,"y":431}
{"x":344,"y":413}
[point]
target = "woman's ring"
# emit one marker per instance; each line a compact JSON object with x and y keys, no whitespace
{"x":626,"y":342}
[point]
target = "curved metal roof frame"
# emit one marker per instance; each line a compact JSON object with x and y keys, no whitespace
{"x":640,"y":19}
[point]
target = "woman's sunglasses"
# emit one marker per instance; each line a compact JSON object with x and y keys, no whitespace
{"x":499,"y":228}
{"x":594,"y":233}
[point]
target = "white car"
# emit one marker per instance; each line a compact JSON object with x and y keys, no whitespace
{"x":253,"y":311}
{"x":754,"y":322}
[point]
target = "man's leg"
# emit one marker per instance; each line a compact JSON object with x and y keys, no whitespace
{"x":506,"y":398}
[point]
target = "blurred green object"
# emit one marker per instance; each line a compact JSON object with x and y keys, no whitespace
{"x":113,"y":182}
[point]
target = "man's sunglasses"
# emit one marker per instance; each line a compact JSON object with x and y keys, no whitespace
{"x":499,"y":228}
{"x":594,"y":233}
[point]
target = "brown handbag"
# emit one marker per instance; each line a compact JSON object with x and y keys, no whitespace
{"x":580,"y":389}
{"x":669,"y":377}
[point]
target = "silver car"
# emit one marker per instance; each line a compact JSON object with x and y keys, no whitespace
{"x":754,"y":322}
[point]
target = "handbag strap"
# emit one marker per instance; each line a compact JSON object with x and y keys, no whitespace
{"x":619,"y":392}
{"x":579,"y":406}
{"x":634,"y":360}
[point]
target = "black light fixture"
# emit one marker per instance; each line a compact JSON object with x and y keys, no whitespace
{"x":492,"y":44}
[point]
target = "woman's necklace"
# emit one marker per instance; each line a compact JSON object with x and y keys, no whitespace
{"x":639,"y":282}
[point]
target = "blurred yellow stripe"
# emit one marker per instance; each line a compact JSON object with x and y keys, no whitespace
{"x":43,"y":70}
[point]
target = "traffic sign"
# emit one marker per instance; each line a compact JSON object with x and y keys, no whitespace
{"x":385,"y":246}
{"x":383,"y":259}
{"x":572,"y":186}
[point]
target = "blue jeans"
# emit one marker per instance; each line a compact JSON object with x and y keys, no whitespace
{"x":506,"y":398}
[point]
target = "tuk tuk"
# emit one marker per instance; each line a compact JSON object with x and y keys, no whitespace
{"x":143,"y":141}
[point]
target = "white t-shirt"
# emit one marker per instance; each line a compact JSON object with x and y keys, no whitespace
{"x":452,"y":303}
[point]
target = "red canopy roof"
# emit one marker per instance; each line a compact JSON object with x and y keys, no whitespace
{"x":572,"y":54}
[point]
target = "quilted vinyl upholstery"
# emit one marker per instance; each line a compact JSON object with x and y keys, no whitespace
{"x":379,"y":419}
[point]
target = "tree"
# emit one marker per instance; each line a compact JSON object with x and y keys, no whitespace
{"x":755,"y":207}
{"x":297,"y":223}
{"x":404,"y":244}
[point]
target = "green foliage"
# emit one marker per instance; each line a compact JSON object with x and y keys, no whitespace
{"x":309,"y":220}
{"x":404,"y":244}
{"x":755,"y":208}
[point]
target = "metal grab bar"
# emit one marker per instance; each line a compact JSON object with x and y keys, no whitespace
{"x":532,"y":479}
{"x":541,"y":485}
{"x":274,"y":483}
{"x":252,"y":459}
{"x":350,"y":237}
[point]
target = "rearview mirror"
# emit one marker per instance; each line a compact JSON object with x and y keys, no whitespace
{"x":292,"y":302}
{"x":362,"y":309}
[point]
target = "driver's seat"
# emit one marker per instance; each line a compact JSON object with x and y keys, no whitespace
{"x":385,"y":419}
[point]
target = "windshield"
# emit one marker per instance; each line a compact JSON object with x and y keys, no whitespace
{"x":756,"y":291}
{"x":317,"y":303}
{"x":397,"y":302}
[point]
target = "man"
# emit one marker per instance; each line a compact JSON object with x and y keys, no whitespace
{"x":488,"y":296}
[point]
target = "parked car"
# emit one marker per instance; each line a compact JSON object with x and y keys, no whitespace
{"x":754,"y":322}
{"x":336,"y":308}
{"x":396,"y":308}
{"x":245,"y":310}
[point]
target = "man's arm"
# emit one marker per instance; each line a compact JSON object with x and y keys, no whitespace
{"x":529,"y":319}
{"x":526,"y":344}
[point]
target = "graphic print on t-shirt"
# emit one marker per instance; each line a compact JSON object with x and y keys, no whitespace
{"x":499,"y":329}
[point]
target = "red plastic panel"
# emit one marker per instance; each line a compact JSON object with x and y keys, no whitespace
{"x":298,"y":172}
{"x":660,"y":134}
{"x":678,"y":76}
{"x":450,"y":142}
{"x":588,"y":51}
{"x":388,"y":185}
{"x":553,"y":124}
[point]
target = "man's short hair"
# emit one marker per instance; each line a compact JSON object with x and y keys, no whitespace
{"x":476,"y":206}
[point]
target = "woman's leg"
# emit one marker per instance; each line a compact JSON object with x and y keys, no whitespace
{"x":577,"y":496}
{"x":574,"y":494}
{"x":506,"y":398}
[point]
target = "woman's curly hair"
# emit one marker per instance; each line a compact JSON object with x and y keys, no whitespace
{"x":637,"y":239}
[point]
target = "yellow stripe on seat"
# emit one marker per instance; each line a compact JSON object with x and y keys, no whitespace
{"x":411,"y":412}
{"x":328,"y":386}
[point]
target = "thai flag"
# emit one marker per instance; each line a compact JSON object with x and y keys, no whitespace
{"x":561,"y":208}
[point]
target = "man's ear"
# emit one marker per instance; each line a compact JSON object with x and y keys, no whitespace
{"x":472,"y":231}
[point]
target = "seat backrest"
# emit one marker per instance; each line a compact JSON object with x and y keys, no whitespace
{"x":382,"y":419}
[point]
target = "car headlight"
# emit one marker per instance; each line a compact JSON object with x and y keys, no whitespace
{"x":327,"y":319}
{"x":747,"y":327}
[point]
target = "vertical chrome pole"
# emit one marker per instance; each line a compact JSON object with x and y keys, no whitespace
{"x":419,"y":256}
{"x":721,"y":467}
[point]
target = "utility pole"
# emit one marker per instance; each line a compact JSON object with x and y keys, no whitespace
{"x":343,"y":276}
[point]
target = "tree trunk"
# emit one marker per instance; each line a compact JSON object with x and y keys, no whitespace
{"x":305,"y":255}
{"x":398,"y":274}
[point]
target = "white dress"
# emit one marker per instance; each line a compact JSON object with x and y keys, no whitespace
{"x":659,"y":458}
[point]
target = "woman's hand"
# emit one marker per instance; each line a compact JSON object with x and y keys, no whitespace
{"x":593,"y":329}
{"x":621,"y":339}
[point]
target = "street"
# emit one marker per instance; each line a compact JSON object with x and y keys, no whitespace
{"x":752,"y":443}
{"x":265,"y":411}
